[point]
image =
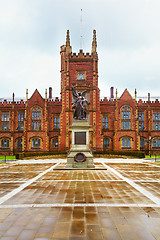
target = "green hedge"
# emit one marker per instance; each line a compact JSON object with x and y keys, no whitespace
{"x":23,"y":155}
{"x":137,"y":154}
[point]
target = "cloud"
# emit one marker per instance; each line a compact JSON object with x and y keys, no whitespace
{"x":128,"y":35}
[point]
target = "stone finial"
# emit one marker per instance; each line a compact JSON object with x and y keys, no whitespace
{"x":26,"y":94}
{"x":46,"y":94}
{"x":116,"y":94}
{"x":135,"y":94}
{"x":13,"y":97}
{"x":68,"y":46}
{"x":67,"y":39}
{"x":94,"y":42}
{"x":149,"y":97}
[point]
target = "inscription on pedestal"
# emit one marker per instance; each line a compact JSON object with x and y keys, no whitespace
{"x":80,"y":138}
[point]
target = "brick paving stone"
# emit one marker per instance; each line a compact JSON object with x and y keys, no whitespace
{"x":92,"y":218}
{"x":8,"y":238}
{"x":26,"y":235}
{"x":65,"y":217}
{"x":1,"y":233}
{"x":49,"y":221}
{"x":42,"y":238}
{"x":110,"y":233}
{"x":107,"y":223}
{"x":45,"y":232}
{"x":61,"y":230}
{"x":77,"y":228}
{"x":5,"y":225}
{"x":13,"y":231}
{"x":78,"y":213}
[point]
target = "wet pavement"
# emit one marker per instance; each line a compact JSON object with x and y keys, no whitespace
{"x":120,"y":199}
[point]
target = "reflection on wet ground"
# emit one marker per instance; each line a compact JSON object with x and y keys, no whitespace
{"x":40,"y":201}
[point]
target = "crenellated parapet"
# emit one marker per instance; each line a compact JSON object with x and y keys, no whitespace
{"x":155,"y":103}
{"x":54,"y":101}
{"x":5,"y":103}
{"x":141,"y":103}
{"x":105,"y":101}
{"x":21,"y":103}
{"x":81,"y":55}
{"x":10,"y":102}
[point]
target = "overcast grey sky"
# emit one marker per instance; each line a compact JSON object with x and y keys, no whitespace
{"x":32,"y":31}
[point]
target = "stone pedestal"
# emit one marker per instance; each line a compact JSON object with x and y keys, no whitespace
{"x":80,"y":156}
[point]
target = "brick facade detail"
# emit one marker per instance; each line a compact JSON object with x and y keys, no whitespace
{"x":43,"y":124}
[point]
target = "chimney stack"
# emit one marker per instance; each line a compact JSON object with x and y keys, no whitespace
{"x":149,"y":97}
{"x":112,"y":92}
{"x":50,"y":92}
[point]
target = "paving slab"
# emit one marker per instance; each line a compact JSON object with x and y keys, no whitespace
{"x":40,"y":199}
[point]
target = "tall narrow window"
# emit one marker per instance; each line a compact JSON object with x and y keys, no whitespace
{"x":5,"y":121}
{"x":80,"y":75}
{"x":20,"y":121}
{"x":126,"y":118}
{"x":156,"y":120}
{"x":36,"y":143}
{"x":19,"y":143}
{"x":55,"y":142}
{"x":5,"y":143}
{"x":56,"y":121}
{"x":141,"y":120}
{"x":126,"y":142}
{"x":156,"y":143}
{"x":105,"y":121}
{"x":87,"y":96}
{"x":142,"y":143}
{"x":106,"y":142}
{"x":36,"y":118}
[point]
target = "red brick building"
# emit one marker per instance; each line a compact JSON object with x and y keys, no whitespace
{"x":39,"y":124}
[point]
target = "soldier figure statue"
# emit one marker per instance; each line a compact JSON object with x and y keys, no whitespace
{"x":79,"y":104}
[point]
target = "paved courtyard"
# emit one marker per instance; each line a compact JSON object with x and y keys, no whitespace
{"x":120,"y":199}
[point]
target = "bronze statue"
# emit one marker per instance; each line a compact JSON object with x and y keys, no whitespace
{"x":79,"y":104}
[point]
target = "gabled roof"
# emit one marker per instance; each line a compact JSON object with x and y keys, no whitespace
{"x":36,"y":94}
{"x":126,"y":95}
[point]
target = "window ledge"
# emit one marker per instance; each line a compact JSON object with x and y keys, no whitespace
{"x":126,"y":130}
{"x":5,"y":148}
{"x":105,"y":129}
{"x":36,"y":148}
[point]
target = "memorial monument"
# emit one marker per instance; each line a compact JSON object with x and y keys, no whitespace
{"x":80,"y":156}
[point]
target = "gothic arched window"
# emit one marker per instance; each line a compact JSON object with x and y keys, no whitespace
{"x":5,"y":121}
{"x":80,"y":75}
{"x":36,"y":118}
{"x":126,"y":142}
{"x":106,"y":142}
{"x":36,"y":142}
{"x":125,"y":118}
{"x":19,"y":143}
{"x":156,"y":142}
{"x":55,"y":142}
{"x":156,"y":121}
{"x":5,"y":143}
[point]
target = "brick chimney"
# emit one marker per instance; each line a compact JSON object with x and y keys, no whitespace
{"x":112,"y":92}
{"x":50,"y":92}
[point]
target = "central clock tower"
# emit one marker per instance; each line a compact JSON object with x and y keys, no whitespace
{"x":80,"y":71}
